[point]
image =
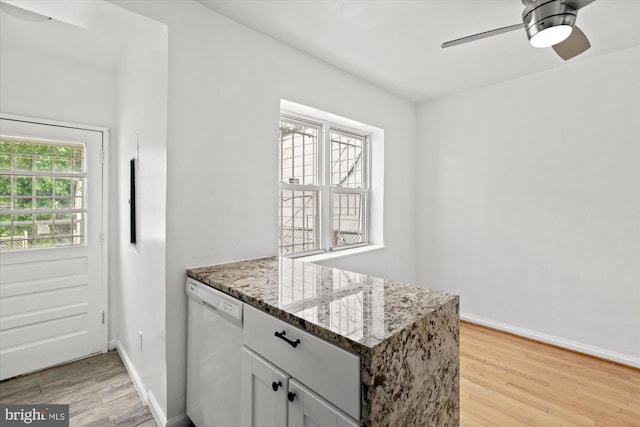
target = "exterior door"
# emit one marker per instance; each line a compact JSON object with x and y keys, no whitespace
{"x":52,"y":288}
{"x":264,"y":392}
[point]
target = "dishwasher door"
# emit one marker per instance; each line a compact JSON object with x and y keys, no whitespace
{"x":214,"y":349}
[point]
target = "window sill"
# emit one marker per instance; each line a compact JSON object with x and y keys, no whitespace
{"x":339,"y":254}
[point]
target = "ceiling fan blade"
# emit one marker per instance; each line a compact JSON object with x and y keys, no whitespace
{"x":481,"y":35}
{"x":578,"y":4}
{"x":573,"y":46}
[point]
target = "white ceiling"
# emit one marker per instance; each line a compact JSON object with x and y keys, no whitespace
{"x":61,"y":40}
{"x":396,"y":44}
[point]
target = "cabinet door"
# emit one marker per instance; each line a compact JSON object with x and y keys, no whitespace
{"x":264,"y":392}
{"x":307,"y":409}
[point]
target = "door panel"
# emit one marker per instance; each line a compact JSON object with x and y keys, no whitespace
{"x":51,"y":298}
{"x":310,"y":410}
{"x":262,"y":406}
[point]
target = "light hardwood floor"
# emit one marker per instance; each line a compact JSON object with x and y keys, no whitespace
{"x":512,"y":381}
{"x":506,"y":381}
{"x":97,"y":389}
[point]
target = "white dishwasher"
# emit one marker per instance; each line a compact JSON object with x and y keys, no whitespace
{"x":214,"y":354}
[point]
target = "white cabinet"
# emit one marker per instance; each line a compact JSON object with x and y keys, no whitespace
{"x":308,"y":409}
{"x":298,"y":381}
{"x":325,"y":368}
{"x":264,"y":392}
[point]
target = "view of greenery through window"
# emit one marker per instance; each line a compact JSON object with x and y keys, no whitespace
{"x":42,"y":196}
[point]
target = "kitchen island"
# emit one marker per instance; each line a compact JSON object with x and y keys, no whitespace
{"x":406,"y":337}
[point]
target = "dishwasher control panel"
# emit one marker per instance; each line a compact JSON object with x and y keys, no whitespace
{"x":228,"y":307}
{"x":215,"y":299}
{"x":219,"y":301}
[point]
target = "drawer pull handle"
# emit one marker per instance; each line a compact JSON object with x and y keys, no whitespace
{"x":275,"y":385}
{"x":293,"y":344}
{"x":291,"y":396}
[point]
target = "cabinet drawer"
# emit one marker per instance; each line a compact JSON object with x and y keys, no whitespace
{"x":325,"y":368}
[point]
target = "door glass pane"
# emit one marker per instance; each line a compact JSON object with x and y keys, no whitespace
{"x":42,"y":194}
{"x":23,"y":186}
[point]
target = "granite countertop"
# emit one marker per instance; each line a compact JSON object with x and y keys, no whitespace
{"x":407,"y":336}
{"x":353,"y":310}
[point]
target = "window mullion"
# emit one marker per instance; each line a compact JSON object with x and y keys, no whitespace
{"x":321,"y":190}
{"x":327,"y":193}
{"x":366,"y":163}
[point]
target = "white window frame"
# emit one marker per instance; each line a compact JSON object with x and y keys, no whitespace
{"x":324,"y":206}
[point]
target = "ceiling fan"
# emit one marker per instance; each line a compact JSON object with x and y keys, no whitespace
{"x":548,"y":23}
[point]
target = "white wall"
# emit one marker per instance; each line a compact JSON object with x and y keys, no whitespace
{"x":137,"y":271}
{"x":132,"y":105}
{"x":225,"y":86}
{"x":530,"y":203}
{"x":540,"y":233}
{"x":46,"y":87}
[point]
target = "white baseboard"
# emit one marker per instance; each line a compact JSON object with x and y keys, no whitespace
{"x":158,"y":415}
{"x":148,"y":398}
{"x":553,"y":340}
{"x":161,"y":419}
{"x":135,"y":379}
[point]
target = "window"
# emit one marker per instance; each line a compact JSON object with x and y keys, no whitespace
{"x":42,"y":194}
{"x":324,"y":186}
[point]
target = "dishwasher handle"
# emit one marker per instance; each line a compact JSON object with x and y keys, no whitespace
{"x":209,"y":305}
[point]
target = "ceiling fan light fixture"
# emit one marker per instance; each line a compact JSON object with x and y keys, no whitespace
{"x":548,"y":22}
{"x":551,"y":36}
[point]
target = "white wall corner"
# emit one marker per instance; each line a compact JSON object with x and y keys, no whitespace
{"x":161,"y":419}
{"x":179,"y":421}
{"x":579,"y":347}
